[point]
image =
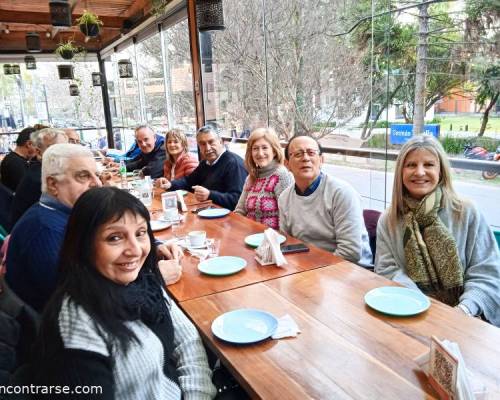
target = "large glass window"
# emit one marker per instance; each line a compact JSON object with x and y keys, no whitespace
{"x":354,"y":75}
{"x":40,"y":97}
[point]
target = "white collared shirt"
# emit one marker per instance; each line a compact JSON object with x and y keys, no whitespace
{"x":212,"y":164}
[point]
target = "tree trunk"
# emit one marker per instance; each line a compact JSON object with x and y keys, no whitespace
{"x":421,"y":72}
{"x":367,"y":120}
{"x":486,"y":114}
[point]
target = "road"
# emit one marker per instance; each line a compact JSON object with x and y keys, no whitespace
{"x":371,"y":185}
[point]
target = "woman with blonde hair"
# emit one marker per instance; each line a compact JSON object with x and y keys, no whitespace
{"x":180,"y":162}
{"x":432,"y":240}
{"x":267,"y":178}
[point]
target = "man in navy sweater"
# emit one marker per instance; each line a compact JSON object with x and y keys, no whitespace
{"x":68,"y":170}
{"x":219,"y":176}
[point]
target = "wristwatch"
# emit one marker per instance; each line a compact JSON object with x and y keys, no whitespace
{"x":465,"y":310}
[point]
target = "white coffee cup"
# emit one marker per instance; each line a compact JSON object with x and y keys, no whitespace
{"x":171,"y":214}
{"x":196,"y":238}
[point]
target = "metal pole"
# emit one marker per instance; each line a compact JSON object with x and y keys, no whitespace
{"x":49,"y":120}
{"x":167,"y":82}
{"x":421,"y":72}
{"x":105,"y":102}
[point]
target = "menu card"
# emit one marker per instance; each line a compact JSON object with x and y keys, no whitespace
{"x":447,"y":373}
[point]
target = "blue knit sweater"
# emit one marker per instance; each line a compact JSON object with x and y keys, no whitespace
{"x":33,"y":251}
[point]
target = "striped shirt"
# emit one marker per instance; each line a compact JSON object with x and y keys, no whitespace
{"x":138,"y":374}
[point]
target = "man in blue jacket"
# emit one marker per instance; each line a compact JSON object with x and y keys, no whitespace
{"x":152,"y":155}
{"x":219,"y":176}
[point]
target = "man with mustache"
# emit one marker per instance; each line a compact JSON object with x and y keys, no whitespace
{"x":219,"y":176}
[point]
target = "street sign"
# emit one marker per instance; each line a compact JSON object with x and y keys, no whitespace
{"x":401,"y":133}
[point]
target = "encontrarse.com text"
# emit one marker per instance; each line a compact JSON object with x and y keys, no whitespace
{"x":42,"y":389}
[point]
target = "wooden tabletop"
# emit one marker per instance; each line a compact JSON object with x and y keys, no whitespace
{"x":232,"y":230}
{"x":345,"y":350}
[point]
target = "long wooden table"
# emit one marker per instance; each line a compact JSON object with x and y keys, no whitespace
{"x":232,"y":230}
{"x":345,"y":350}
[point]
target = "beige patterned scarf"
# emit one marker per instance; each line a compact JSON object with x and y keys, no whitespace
{"x":432,"y":260}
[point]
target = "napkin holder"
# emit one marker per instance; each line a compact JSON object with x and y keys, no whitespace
{"x":447,"y":373}
{"x":269,"y":252}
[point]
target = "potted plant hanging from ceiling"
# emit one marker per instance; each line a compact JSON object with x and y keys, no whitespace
{"x":67,"y":50}
{"x":158,"y":7}
{"x":89,"y":23}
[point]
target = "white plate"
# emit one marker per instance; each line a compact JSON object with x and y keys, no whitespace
{"x":158,"y":225}
{"x":185,"y":243}
{"x":221,"y":266}
{"x":244,"y":326}
{"x":398,"y":301}
{"x":214,"y":213}
{"x":256,"y":239}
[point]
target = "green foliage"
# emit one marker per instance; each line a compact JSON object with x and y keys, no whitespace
{"x":321,"y":125}
{"x":158,"y":7}
{"x":89,"y":18}
{"x":452,"y":145}
{"x":489,"y":84}
{"x":67,"y":46}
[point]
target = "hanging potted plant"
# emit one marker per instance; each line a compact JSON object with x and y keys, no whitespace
{"x":158,"y":7}
{"x":67,"y":50}
{"x":89,"y":23}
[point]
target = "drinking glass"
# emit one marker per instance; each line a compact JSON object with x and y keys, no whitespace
{"x":213,"y":247}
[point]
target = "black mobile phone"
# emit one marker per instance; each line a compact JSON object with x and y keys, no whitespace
{"x":294,"y":248}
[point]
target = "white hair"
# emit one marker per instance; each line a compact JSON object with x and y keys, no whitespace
{"x":38,"y":137}
{"x":57,"y":158}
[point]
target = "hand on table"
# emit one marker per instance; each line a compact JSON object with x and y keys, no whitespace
{"x":201,"y":193}
{"x":170,"y":251}
{"x":163,"y":183}
{"x":107,"y":161}
{"x":106,"y":178}
{"x":171,"y":271}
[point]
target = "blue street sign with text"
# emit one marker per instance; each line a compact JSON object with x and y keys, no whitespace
{"x":401,"y":133}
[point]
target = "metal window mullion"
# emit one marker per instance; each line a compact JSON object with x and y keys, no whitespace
{"x":167,"y":82}
{"x":140,"y":86}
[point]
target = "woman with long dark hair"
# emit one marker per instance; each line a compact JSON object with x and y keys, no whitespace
{"x":110,"y":323}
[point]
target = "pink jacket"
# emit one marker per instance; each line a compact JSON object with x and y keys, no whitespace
{"x":186,"y":163}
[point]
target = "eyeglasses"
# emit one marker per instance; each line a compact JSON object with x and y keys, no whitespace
{"x":301,"y":153}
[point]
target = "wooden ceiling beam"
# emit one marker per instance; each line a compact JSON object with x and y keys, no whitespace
{"x":16,"y":41}
{"x":137,"y":6}
{"x":36,"y":18}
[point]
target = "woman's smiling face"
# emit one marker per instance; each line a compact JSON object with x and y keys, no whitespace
{"x":421,"y":173}
{"x":121,"y":247}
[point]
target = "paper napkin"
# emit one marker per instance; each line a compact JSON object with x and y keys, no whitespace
{"x":269,"y":251}
{"x":287,"y":327}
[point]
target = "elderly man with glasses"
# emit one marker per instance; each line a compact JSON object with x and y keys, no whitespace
{"x":219,"y":176}
{"x":320,"y":209}
{"x":68,"y":170}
